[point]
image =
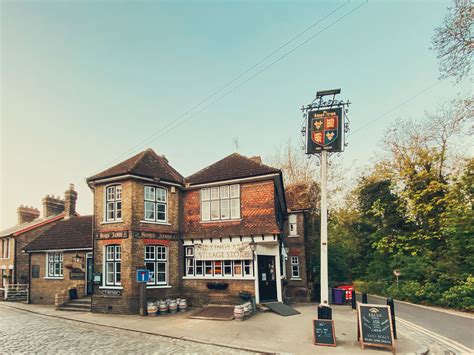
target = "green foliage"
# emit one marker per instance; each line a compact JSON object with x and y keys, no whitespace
{"x":460,"y":295}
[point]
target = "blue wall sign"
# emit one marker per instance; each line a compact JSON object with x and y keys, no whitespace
{"x":143,"y":275}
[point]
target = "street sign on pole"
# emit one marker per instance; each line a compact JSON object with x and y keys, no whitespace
{"x":143,"y":275}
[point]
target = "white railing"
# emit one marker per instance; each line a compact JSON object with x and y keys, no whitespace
{"x":19,"y":291}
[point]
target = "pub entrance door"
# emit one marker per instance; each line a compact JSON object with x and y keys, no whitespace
{"x":89,"y":274}
{"x":267,"y":278}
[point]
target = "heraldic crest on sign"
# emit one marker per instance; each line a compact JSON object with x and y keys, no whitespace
{"x":324,"y":127}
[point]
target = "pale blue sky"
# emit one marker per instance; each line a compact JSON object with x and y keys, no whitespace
{"x":84,"y":82}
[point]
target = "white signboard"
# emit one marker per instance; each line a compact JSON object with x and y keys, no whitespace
{"x":222,"y":251}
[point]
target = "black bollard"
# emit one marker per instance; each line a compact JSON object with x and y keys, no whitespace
{"x":324,"y":312}
{"x":353,"y":300}
{"x":364,"y":297}
{"x":391,"y":303}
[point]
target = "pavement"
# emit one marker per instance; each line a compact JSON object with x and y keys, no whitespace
{"x":262,"y":333}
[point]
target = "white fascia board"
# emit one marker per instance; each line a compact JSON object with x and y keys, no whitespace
{"x":131,"y":176}
{"x":247,"y":179}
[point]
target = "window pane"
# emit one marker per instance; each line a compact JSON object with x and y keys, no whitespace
{"x":149,"y":193}
{"x":110,"y":210}
{"x":118,"y":192}
{"x":225,"y":213}
{"x":218,"y":268}
{"x":118,"y":273}
{"x":237,"y":267}
{"x":189,"y":251}
{"x":292,"y":218}
{"x":214,"y":209}
{"x":161,"y":212}
{"x":199,"y":268}
{"x":234,"y":191}
{"x":189,"y":267}
{"x":151,"y":268}
{"x":110,"y":252}
{"x":208,"y":267}
{"x":206,"y":211}
{"x":109,"y":269}
{"x":224,"y":191}
{"x":111,"y":193}
{"x":161,"y":195}
{"x":228,"y":267}
{"x":160,"y":253}
{"x":149,"y":211}
{"x":235,"y":208}
{"x":149,"y":252}
{"x":118,"y":252}
{"x":214,"y":193}
{"x":205,"y":194}
{"x":247,"y":267}
{"x":118,"y":210}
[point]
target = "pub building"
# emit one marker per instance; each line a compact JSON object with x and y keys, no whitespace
{"x":206,"y":237}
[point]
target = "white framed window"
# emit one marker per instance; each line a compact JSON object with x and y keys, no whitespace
{"x":295,"y":267}
{"x":113,"y":203}
{"x":113,"y":265}
{"x":156,"y":261}
{"x":156,"y":204}
{"x":5,"y":252}
{"x":292,"y":225}
{"x":55,"y":264}
{"x":220,"y":203}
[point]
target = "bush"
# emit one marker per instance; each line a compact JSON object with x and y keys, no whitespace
{"x":460,"y":296}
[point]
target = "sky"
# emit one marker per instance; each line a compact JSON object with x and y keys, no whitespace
{"x":84,"y":84}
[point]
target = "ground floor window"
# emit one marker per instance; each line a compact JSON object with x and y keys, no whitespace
{"x":113,"y":265}
{"x":55,"y":265}
{"x":156,"y":260}
{"x":216,"y":268}
{"x":295,"y":267}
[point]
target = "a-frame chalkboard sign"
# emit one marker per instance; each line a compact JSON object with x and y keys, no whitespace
{"x":375,"y":326}
{"x":323,"y":332}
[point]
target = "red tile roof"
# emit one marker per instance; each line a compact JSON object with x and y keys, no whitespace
{"x":72,"y":233}
{"x":146,"y":164}
{"x":298,"y":196}
{"x":234,"y":166}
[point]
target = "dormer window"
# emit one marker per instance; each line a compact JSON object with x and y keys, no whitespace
{"x":113,"y":203}
{"x":156,"y":200}
{"x":220,"y":203}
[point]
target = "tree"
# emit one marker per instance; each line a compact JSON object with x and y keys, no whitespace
{"x":453,"y":41}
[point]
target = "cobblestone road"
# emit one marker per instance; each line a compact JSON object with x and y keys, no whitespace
{"x":24,"y":332}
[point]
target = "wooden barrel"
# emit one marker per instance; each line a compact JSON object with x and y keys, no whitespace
{"x":239,"y":313}
{"x":151,"y":309}
{"x":247,"y":309}
{"x":163,"y":307}
{"x":173,"y":306}
{"x":183,"y":305}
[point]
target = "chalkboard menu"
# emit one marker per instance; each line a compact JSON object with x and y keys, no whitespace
{"x":323,"y":332}
{"x":375,"y":326}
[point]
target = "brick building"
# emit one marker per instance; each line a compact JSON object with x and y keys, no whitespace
{"x":207,"y":237}
{"x":14,"y":263}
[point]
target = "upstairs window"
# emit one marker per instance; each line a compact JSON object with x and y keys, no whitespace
{"x":55,"y":264}
{"x":292,"y":225}
{"x":220,"y":203}
{"x":156,"y":200}
{"x":113,"y":203}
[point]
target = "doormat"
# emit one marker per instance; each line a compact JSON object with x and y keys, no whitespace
{"x":214,"y":313}
{"x":281,"y":309}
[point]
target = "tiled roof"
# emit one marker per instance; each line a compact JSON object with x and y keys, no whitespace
{"x":233,"y":166}
{"x":72,"y":233}
{"x":147,"y":164}
{"x":298,"y":196}
{"x":18,"y":229}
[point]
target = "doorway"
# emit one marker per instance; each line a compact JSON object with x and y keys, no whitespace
{"x":89,"y":277}
{"x":267,"y":278}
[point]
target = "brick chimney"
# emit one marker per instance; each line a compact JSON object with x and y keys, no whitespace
{"x":257,"y":159}
{"x":27,"y":214}
{"x":52,"y":205}
{"x":70,"y":198}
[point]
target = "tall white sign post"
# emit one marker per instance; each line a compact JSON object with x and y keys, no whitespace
{"x":324,"y":130}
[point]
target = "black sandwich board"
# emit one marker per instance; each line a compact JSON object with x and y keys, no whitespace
{"x":323,"y":332}
{"x":375,"y":326}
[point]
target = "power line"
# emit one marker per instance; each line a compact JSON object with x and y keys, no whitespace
{"x":152,"y":137}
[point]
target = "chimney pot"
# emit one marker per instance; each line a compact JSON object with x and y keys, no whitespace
{"x":70,"y":198}
{"x":257,"y":159}
{"x":27,"y":214}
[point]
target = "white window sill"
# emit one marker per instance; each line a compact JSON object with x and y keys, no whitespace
{"x":293,"y":235}
{"x":222,"y":220}
{"x":111,"y":222}
{"x":54,"y":278}
{"x":157,"y":286}
{"x":154,"y":222}
{"x":110,"y":287}
{"x":214,"y":278}
{"x":296,"y":279}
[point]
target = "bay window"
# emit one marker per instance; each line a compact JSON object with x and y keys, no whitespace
{"x":220,"y":203}
{"x":156,"y":201}
{"x":113,"y":203}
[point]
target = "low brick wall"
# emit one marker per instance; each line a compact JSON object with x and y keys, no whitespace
{"x":198,"y":294}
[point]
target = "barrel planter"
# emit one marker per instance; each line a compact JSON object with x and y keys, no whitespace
{"x":183,"y":305}
{"x":173,"y":306}
{"x":239,"y":313}
{"x":247,"y":309}
{"x":151,"y":309}
{"x":163,"y":305}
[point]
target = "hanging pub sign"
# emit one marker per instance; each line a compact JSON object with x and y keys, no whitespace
{"x":325,"y":130}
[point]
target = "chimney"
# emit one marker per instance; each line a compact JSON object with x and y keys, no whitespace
{"x":70,"y":198}
{"x":257,"y":159}
{"x":27,"y":214}
{"x":52,"y":205}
